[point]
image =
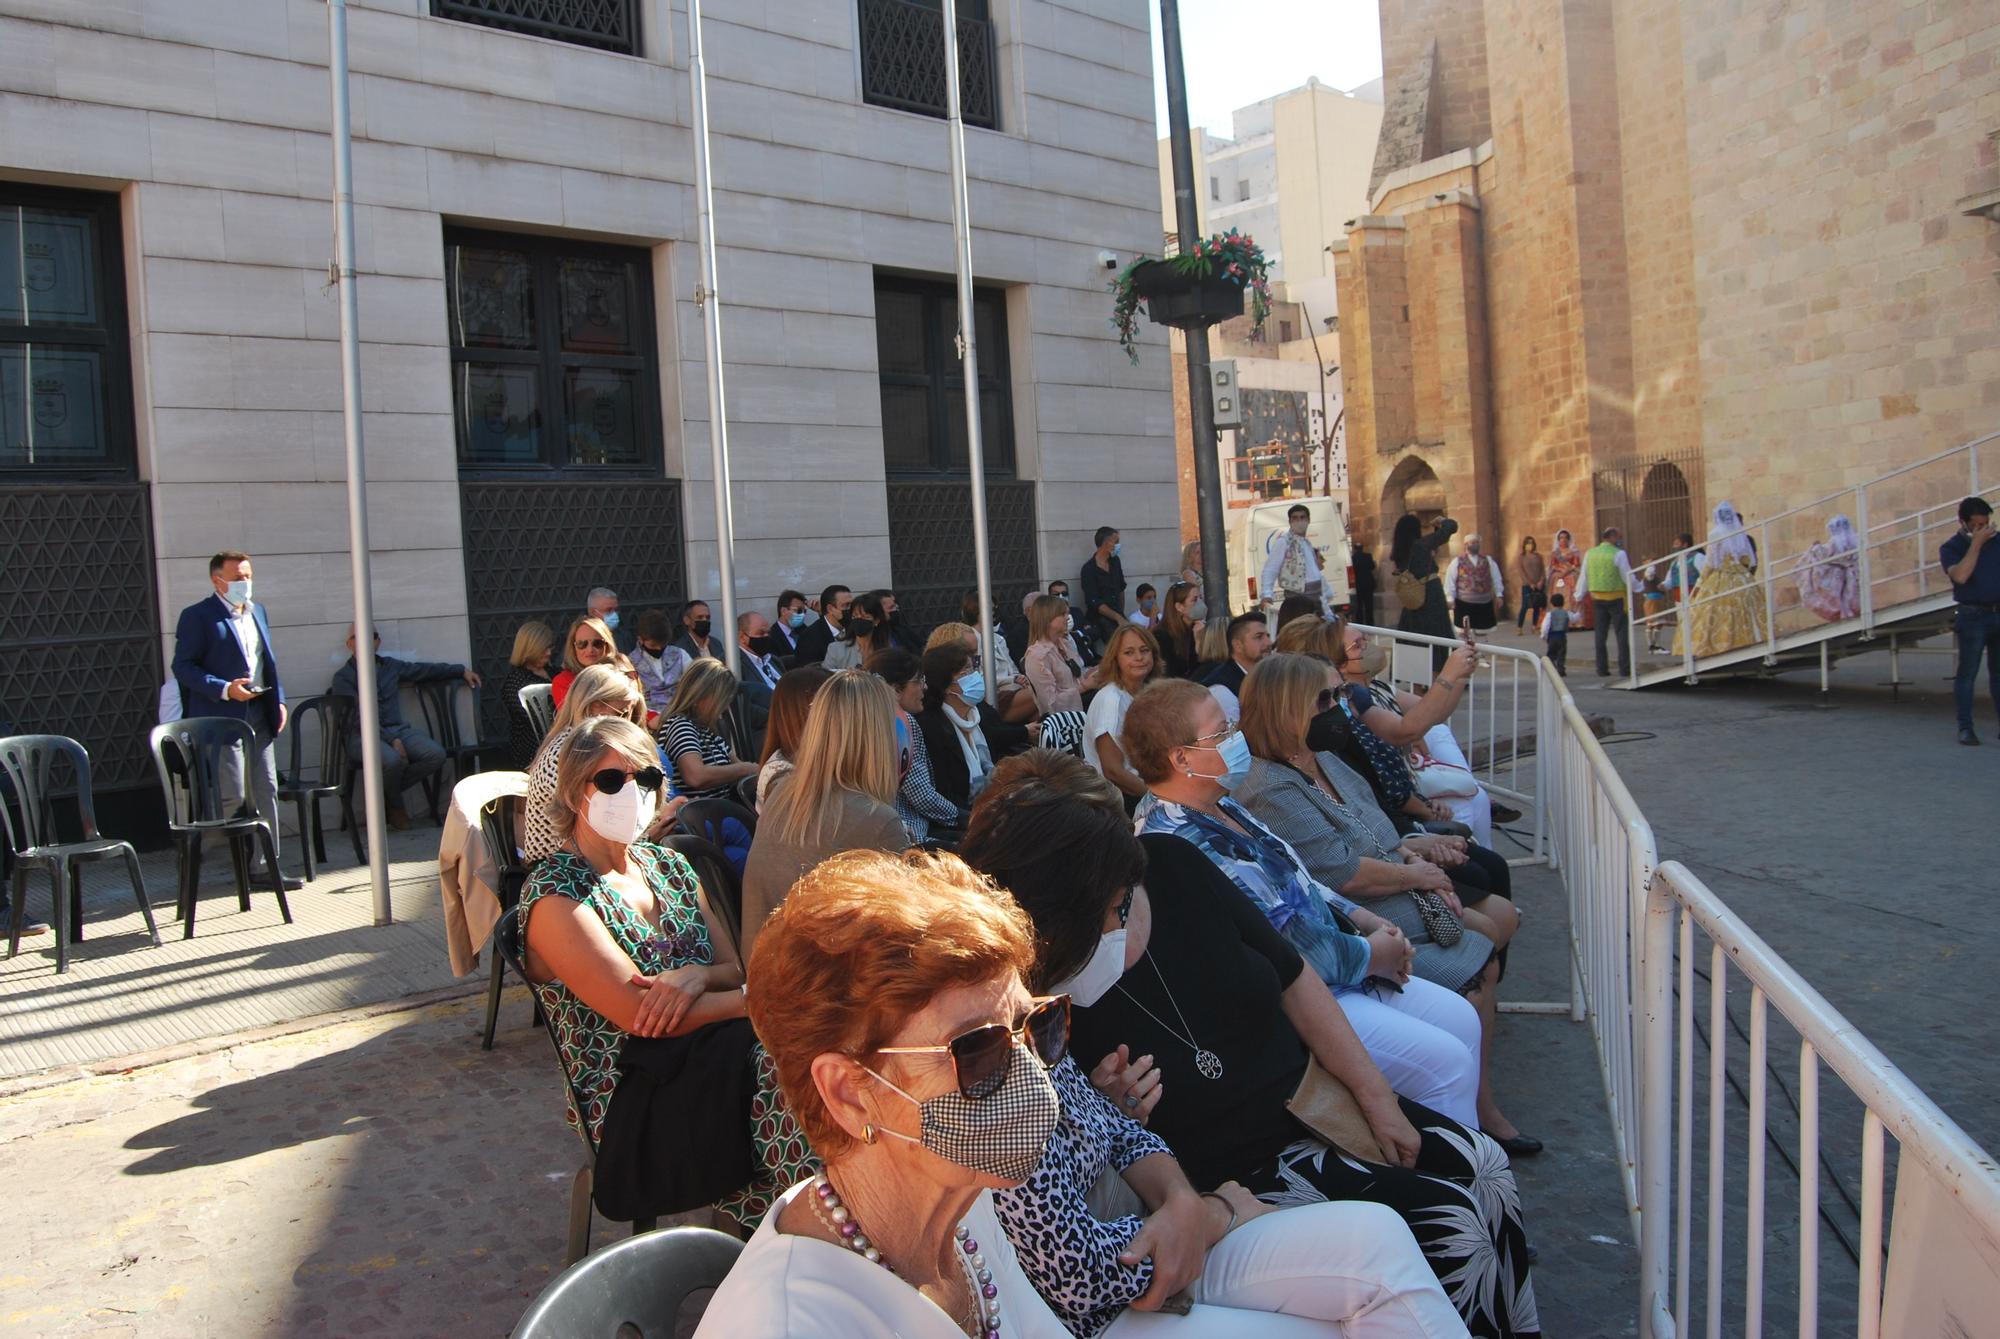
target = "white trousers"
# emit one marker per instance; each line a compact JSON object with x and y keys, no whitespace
{"x":1426,"y":1043}
{"x":1345,"y":1268}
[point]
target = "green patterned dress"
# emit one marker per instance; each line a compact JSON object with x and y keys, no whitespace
{"x":590,"y":1043}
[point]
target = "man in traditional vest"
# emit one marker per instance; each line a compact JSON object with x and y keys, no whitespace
{"x":1472,"y":581}
{"x":1607,"y":575}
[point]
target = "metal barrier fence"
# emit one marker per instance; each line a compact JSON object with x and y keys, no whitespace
{"x":1633,"y":923}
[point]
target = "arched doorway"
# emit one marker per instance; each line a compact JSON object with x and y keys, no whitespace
{"x":1412,"y":486}
{"x":1665,"y":511}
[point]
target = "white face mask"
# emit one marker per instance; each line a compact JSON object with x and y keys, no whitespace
{"x":238,"y":593}
{"x":1099,"y":975}
{"x":622,"y":818}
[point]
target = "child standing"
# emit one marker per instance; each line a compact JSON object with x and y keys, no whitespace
{"x":1555,"y":631}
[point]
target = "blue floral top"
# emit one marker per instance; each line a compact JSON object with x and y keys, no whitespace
{"x":1265,"y":869}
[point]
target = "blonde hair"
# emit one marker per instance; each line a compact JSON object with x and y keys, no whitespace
{"x":1187,"y":554}
{"x":1043,"y":612}
{"x":1311,"y":637}
{"x":1212,"y":642}
{"x":1279,"y":696}
{"x":951,"y":634}
{"x":862,"y":942}
{"x":849,"y":744}
{"x":596,"y":625}
{"x":583,"y":754}
{"x":593,"y":688}
{"x":704,"y":692}
{"x":530,"y":640}
{"x":1126,"y":632}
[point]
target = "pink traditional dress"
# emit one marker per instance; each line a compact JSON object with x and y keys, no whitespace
{"x":1565,"y":568}
{"x":1830,"y":575}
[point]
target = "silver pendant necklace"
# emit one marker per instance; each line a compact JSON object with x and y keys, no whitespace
{"x":1206,"y":1062}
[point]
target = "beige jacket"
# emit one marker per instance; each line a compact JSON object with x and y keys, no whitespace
{"x":468,"y":881}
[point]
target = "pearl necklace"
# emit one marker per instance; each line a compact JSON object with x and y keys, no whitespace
{"x":985,"y":1315}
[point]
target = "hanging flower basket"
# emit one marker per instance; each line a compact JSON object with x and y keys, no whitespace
{"x":1193,"y":290}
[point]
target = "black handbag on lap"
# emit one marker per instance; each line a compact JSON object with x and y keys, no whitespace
{"x":677,"y":1134}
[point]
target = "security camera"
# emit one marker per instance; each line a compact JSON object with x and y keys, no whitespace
{"x":1108,"y":259}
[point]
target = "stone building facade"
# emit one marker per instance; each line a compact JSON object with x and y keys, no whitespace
{"x":532,"y":353}
{"x":1626,"y":260}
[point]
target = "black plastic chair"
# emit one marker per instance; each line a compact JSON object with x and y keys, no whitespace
{"x":636,"y":1288}
{"x":507,"y":942}
{"x":736,"y":728}
{"x":305,"y":783}
{"x":718,"y":881}
{"x":28,"y":762}
{"x":703,"y":818}
{"x":539,"y":701}
{"x":746,"y":793}
{"x":191,"y":755}
{"x":497,"y":827}
{"x":439,"y":700}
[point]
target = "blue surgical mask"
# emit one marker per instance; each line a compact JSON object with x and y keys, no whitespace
{"x":1117,"y":548}
{"x":972,"y":687}
{"x":239,"y":593}
{"x":798,"y":618}
{"x":611,"y":620}
{"x":1235,"y":754}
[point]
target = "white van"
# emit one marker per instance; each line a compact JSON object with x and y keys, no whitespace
{"x":1254,"y":531}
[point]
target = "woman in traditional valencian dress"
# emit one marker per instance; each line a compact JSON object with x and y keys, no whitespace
{"x":1829,"y":577}
{"x":1565,"y":572}
{"x":1726,"y":609}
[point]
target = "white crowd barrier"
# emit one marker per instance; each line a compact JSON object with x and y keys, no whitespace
{"x":1634,"y":958}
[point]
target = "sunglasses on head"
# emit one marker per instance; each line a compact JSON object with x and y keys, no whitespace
{"x":592,"y":645}
{"x":612,"y":779}
{"x":979,"y":1057}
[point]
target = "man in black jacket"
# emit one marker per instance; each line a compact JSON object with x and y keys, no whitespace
{"x":816,"y":637}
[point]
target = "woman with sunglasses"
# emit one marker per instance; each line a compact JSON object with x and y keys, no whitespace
{"x":1208,"y":1023}
{"x":623,"y":949}
{"x":601,"y":690}
{"x":1059,"y":838}
{"x":889,"y":994}
{"x":589,"y":643}
{"x":1422,"y":1036}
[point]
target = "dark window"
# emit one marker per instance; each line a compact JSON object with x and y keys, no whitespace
{"x":554,"y":365}
{"x":923,"y":381}
{"x":610,"y":25}
{"x":65,"y":379}
{"x":902,"y":59}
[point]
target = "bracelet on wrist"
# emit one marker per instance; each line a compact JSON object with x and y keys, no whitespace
{"x":1234,"y":1217}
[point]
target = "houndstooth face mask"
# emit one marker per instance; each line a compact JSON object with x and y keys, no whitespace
{"x":1003,"y":1135}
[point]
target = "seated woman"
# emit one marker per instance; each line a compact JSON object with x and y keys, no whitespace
{"x":1424,"y":1037}
{"x":790,"y":701}
{"x":1324,"y":813}
{"x":703,"y":764}
{"x":1134,"y":660}
{"x":528,"y":664}
{"x":621,"y":948}
{"x":1059,"y":838}
{"x":865,"y":633}
{"x":917,"y":798}
{"x":1175,"y":631}
{"x":840,"y":794}
{"x":890,"y":996}
{"x":601,"y":690}
{"x":1054,"y":672}
{"x":963,"y":736}
{"x":589,"y":643}
{"x":1007,"y":691}
{"x":1182,"y":968}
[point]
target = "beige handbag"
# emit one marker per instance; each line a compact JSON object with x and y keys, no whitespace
{"x":1326,"y":1106}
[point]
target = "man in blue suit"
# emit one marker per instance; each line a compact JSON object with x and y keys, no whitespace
{"x":224,"y":665}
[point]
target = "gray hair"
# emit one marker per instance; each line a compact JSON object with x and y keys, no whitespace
{"x":599,"y":593}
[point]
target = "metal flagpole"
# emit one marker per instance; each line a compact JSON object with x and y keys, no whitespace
{"x":357,"y":479}
{"x":968,"y":345}
{"x":711,"y":309}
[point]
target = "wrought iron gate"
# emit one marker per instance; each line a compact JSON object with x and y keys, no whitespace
{"x":930,"y":546}
{"x":533,"y":549}
{"x":80,"y":624}
{"x":1652,"y":501}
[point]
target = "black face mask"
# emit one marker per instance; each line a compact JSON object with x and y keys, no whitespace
{"x":760,"y":646}
{"x":861,"y":626}
{"x":700,"y":627}
{"x":1331,"y":732}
